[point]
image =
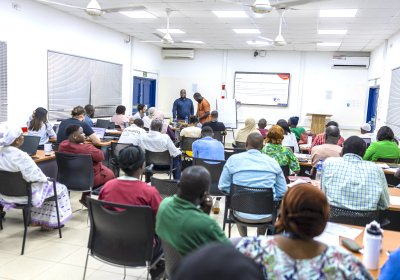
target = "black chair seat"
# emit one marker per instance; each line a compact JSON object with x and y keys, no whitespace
{"x":355,"y":217}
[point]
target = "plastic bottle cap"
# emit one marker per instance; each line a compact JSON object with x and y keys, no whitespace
{"x":374,"y":230}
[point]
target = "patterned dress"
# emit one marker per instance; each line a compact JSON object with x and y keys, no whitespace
{"x":282,"y":155}
{"x":333,"y":263}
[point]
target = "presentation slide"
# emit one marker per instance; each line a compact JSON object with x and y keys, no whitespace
{"x":262,"y":88}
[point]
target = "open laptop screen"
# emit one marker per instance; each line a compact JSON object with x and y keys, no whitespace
{"x":30,"y":144}
{"x":99,"y":132}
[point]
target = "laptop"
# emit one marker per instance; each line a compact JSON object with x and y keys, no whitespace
{"x":102,"y":123}
{"x":100,"y":132}
{"x":30,"y":144}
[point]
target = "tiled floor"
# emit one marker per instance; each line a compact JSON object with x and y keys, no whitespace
{"x":49,"y":257}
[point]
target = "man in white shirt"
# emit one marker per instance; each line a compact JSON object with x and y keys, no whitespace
{"x":131,"y":134}
{"x":191,"y":130}
{"x":155,"y":141}
{"x":366,"y":132}
{"x":141,"y":112}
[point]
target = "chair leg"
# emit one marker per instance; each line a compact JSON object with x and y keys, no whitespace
{"x":148,"y":270}
{"x":25,"y":215}
{"x":124,"y":272}
{"x":57,"y":210}
{"x":87,"y":258}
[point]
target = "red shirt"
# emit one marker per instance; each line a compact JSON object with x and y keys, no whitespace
{"x":131,"y":192}
{"x":320,"y":139}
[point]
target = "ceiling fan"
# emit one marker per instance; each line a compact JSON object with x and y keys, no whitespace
{"x":94,"y":8}
{"x":265,"y":6}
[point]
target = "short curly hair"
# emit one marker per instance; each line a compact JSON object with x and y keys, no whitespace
{"x":275,"y":135}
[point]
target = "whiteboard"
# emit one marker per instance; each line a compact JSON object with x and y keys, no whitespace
{"x":227,"y":112}
{"x":262,"y":88}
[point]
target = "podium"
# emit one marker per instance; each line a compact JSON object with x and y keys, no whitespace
{"x":318,"y":122}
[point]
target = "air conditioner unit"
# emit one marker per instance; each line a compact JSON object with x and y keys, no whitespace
{"x":169,"y":53}
{"x":350,"y":61}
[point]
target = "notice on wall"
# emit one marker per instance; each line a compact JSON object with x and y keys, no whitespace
{"x":262,"y":88}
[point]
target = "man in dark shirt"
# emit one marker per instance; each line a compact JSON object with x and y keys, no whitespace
{"x":183,"y":107}
{"x":214,"y":123}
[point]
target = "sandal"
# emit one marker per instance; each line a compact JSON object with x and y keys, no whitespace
{"x":46,"y":228}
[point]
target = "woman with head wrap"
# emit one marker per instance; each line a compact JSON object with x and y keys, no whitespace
{"x":165,"y":128}
{"x":13,"y":159}
{"x":249,"y":127}
{"x":289,"y":138}
{"x":292,"y":122}
{"x":294,"y":252}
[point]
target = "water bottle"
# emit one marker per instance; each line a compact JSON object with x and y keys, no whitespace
{"x":372,"y":245}
{"x":186,"y":119}
{"x":319,"y":170}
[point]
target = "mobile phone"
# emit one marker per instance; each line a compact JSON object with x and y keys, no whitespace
{"x":351,"y":245}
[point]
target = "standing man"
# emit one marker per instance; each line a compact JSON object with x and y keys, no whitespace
{"x":183,"y":107}
{"x":203,"y":108}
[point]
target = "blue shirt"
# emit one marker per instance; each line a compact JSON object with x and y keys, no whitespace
{"x":208,"y":148}
{"x":89,"y":121}
{"x":253,"y":169}
{"x":182,"y":108}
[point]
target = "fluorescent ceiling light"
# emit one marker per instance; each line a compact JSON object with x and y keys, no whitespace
{"x":137,"y":14}
{"x":328,"y":44}
{"x":338,"y":13}
{"x":333,"y":32}
{"x":246,"y":31}
{"x":193,"y":42}
{"x":230,"y":14}
{"x":255,"y":42}
{"x":171,"y":31}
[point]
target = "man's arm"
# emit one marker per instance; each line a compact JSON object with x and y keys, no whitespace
{"x":94,"y":139}
{"x":173,"y":151}
{"x":225,"y":180}
{"x":280,"y":185}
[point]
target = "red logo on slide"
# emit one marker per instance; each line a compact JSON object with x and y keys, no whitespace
{"x":284,"y":76}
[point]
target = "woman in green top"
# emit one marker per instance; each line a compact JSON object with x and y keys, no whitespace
{"x":293,"y":121}
{"x":281,"y":154}
{"x":385,"y":148}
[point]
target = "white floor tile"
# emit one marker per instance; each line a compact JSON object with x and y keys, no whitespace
{"x":64,"y":272}
{"x":24,"y":268}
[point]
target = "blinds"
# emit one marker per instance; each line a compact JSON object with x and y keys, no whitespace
{"x":3,"y":81}
{"x":74,"y":81}
{"x":393,"y":115}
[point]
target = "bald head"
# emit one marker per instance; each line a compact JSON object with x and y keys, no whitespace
{"x":254,"y":141}
{"x":194,"y":183}
{"x":332,"y":135}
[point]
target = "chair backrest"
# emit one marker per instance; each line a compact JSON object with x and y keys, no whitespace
{"x":166,"y":187}
{"x":286,"y":172}
{"x":102,"y":123}
{"x":352,"y":217}
{"x":30,"y":144}
{"x":290,"y":148}
{"x":75,"y":171}
{"x":367,"y":141}
{"x":172,"y":258}
{"x":116,"y":148}
{"x":186,"y":143}
{"x":158,"y":158}
{"x":218,"y":136}
{"x":13,"y":184}
{"x":240,"y":144}
{"x":111,"y":125}
{"x":252,"y":200}
{"x":388,"y":160}
{"x":228,"y":152}
{"x":215,"y":168}
{"x":123,"y":237}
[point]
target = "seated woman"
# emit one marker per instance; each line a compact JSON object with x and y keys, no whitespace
{"x":119,"y":118}
{"x":249,"y":127}
{"x":262,"y":124}
{"x":281,"y":154}
{"x":39,"y":126}
{"x":166,"y":129}
{"x":297,"y":130}
{"x":13,"y":159}
{"x":385,"y":148}
{"x":75,"y":145}
{"x":289,"y":139}
{"x":294,"y":253}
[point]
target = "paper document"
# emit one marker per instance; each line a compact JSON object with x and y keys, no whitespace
{"x":297,"y":182}
{"x":394,"y":200}
{"x":392,"y":170}
{"x":383,"y":165}
{"x":341,"y":230}
{"x":328,"y":239}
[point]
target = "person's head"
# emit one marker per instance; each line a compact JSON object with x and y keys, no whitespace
{"x":197,"y":96}
{"x":262,"y":123}
{"x":194,"y":184}
{"x":183,"y":93}
{"x":365,"y":128}
{"x":39,"y":117}
{"x":284,"y":124}
{"x":78,"y":113}
{"x":385,"y":133}
{"x":332,"y":123}
{"x":304,"y":212}
{"x":141,"y":108}
{"x":89,"y":109}
{"x":207,"y":263}
{"x":207,"y":131}
{"x":75,"y":134}
{"x":214,"y":115}
{"x":254,"y":141}
{"x":354,"y":145}
{"x":332,"y":135}
{"x":120,"y":110}
{"x":138,"y":122}
{"x":11,"y":135}
{"x":250,"y":123}
{"x":275,"y":135}
{"x":152,"y":112}
{"x":293,"y":121}
{"x":156,"y":125}
{"x":131,"y":160}
{"x":193,"y":120}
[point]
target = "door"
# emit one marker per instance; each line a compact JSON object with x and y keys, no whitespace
{"x":144,"y":92}
{"x":372,"y":106}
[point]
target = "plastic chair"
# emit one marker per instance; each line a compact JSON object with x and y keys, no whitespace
{"x":102,"y":123}
{"x":355,"y":217}
{"x":219,"y":136}
{"x":186,"y":143}
{"x":290,"y":148}
{"x":286,"y":172}
{"x":241,"y":145}
{"x":123,"y":237}
{"x":215,"y":168}
{"x":13,"y":184}
{"x":156,"y":159}
{"x":388,"y":160}
{"x":114,"y":155}
{"x":172,"y":258}
{"x":166,"y":187}
{"x":250,"y":200}
{"x":228,"y":152}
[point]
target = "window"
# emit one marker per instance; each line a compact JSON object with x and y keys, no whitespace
{"x":74,"y":81}
{"x":3,"y":81}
